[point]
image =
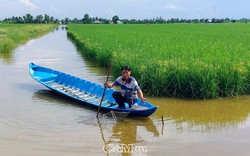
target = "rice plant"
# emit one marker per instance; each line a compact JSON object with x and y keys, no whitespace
{"x":177,"y":60}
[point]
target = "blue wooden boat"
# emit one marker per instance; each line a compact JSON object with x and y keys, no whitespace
{"x":86,"y":92}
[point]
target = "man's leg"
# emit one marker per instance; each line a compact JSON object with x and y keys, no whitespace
{"x":119,"y":98}
{"x":130,"y":99}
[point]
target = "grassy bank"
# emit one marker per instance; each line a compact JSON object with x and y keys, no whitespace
{"x":12,"y":35}
{"x":178,"y":60}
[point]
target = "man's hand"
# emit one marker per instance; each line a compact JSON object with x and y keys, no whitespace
{"x":108,"y":85}
{"x":143,"y":99}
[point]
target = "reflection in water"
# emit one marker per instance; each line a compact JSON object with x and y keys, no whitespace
{"x":204,"y":116}
{"x":126,"y":132}
{"x":125,"y":135}
{"x":7,"y":57}
{"x":51,"y":97}
{"x":121,"y":133}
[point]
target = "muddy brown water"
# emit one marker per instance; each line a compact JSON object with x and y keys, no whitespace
{"x":35,"y":121}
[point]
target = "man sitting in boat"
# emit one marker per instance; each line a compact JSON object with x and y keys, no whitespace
{"x":129,"y":89}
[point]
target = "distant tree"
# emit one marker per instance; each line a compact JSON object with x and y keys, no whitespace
{"x":16,"y":20}
{"x":125,"y":21}
{"x":86,"y":19}
{"x":160,"y":20}
{"x":115,"y":19}
{"x":133,"y":21}
{"x":75,"y":20}
{"x":226,"y":20}
{"x":57,"y":21}
{"x":66,"y":21}
{"x":51,"y":19}
{"x":195,"y":21}
{"x":47,"y":19}
{"x":39,"y":19}
{"x":202,"y":20}
{"x":28,"y":18}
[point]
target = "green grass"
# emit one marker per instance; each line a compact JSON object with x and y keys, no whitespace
{"x":12,"y":35}
{"x":177,"y":60}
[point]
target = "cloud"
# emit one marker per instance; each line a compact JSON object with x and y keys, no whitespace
{"x":110,"y":12}
{"x":173,"y":7}
{"x":28,"y":4}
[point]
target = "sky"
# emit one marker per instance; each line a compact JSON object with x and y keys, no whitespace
{"x":127,"y":9}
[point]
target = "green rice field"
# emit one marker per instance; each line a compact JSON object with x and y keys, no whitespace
{"x":176,"y":60}
{"x":12,"y":35}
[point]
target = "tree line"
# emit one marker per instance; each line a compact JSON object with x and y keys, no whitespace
{"x":46,"y":19}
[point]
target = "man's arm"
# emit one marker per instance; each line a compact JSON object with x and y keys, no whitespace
{"x":141,"y":96}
